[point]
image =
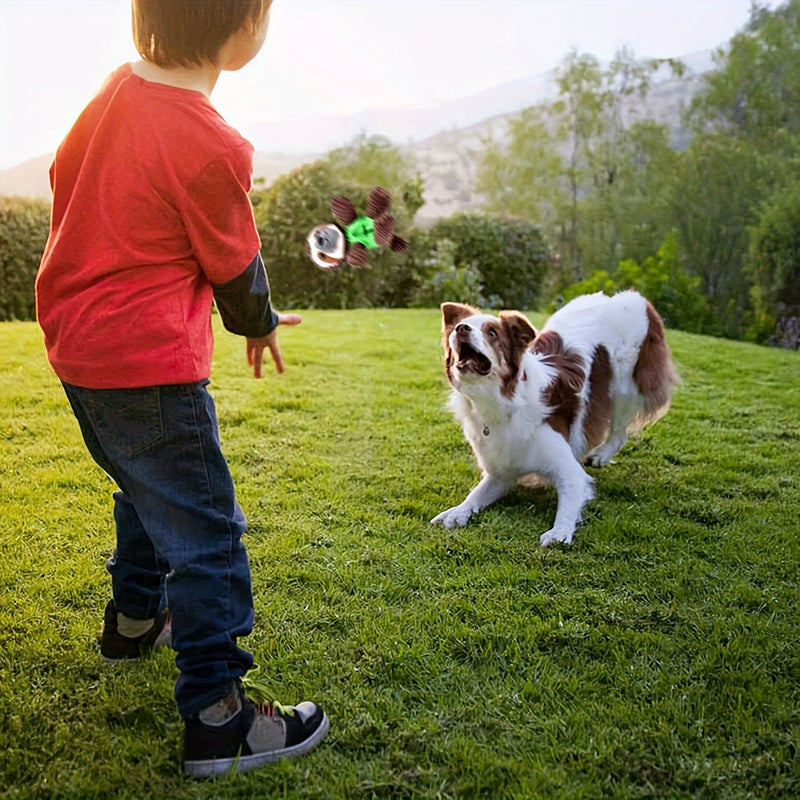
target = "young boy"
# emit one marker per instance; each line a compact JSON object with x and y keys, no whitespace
{"x":151,"y":220}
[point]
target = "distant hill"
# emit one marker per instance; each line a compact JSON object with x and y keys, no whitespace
{"x":32,"y":179}
{"x":28,"y":179}
{"x":448,"y":161}
{"x":445,"y":140}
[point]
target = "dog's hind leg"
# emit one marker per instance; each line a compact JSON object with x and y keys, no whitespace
{"x":626,"y":408}
{"x":603,"y":454}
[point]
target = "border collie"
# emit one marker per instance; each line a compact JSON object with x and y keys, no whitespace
{"x":536,"y":407}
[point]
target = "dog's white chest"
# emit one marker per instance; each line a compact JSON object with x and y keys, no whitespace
{"x":503,"y":446}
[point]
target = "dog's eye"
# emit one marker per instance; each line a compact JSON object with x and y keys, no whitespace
{"x":492,"y":332}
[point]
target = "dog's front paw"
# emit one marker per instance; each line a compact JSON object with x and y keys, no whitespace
{"x":455,"y":517}
{"x":555,"y":537}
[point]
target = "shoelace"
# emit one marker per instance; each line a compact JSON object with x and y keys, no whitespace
{"x":273,"y":707}
{"x":261,"y":694}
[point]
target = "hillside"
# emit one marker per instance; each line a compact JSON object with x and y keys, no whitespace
{"x":449,"y":160}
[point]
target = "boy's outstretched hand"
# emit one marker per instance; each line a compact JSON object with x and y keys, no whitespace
{"x":256,"y":347}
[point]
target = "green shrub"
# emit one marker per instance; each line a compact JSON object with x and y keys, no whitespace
{"x":660,"y":278}
{"x":475,"y":258}
{"x":24,"y":225}
{"x":774,"y":265}
{"x":287,"y":211}
{"x":447,"y":281}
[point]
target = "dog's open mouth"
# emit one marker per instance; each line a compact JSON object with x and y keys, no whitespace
{"x":470,"y":360}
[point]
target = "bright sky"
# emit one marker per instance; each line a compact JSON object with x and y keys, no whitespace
{"x":337,"y":56}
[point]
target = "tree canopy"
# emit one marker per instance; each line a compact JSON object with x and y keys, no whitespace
{"x":608,"y":187}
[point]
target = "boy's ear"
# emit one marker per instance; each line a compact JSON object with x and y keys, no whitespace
{"x":258,"y":14}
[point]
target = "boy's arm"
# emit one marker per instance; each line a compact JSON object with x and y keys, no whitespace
{"x":245,"y":309}
{"x":243,"y":302}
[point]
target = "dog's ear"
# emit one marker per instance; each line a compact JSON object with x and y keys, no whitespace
{"x":453,"y":313}
{"x":520,"y":331}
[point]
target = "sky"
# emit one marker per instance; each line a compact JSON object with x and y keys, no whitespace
{"x":338,"y":57}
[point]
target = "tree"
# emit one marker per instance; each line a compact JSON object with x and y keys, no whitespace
{"x":774,"y":253}
{"x":755,"y":92}
{"x":711,"y":198}
{"x":577,"y":165}
{"x":524,"y":178}
{"x":375,"y":161}
{"x":627,"y":215}
{"x":745,"y":152}
{"x":608,"y":154}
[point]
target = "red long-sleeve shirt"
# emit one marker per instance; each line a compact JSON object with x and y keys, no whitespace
{"x":150,"y":214}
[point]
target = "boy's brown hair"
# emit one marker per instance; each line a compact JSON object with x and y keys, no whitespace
{"x":183,"y":33}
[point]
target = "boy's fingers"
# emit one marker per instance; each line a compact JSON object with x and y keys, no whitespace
{"x":276,"y":354}
{"x":255,"y":357}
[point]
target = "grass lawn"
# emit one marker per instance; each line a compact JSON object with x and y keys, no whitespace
{"x":657,"y":657}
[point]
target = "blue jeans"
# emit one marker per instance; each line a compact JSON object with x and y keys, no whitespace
{"x":178,"y":526}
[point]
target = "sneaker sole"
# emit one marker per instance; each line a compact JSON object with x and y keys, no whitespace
{"x":221,"y":766}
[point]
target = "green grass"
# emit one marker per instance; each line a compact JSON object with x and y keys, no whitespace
{"x":658,"y":657}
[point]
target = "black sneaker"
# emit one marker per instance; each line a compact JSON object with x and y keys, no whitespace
{"x":255,"y":735}
{"x":116,"y":647}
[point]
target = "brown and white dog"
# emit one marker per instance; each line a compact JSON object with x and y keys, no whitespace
{"x":535,"y":407}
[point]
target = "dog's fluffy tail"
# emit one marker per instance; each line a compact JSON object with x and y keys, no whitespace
{"x":654,"y":373}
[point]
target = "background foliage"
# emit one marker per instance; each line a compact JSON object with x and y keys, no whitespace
{"x":475,"y":258}
{"x":659,"y":278}
{"x":582,"y":190}
{"x":609,"y":188}
{"x":23,"y":232}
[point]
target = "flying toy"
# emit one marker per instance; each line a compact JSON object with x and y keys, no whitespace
{"x":348,"y":240}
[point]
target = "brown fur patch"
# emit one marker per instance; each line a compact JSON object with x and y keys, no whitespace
{"x":516,"y":334}
{"x":654,"y":373}
{"x":562,"y":394}
{"x":600,"y":410}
